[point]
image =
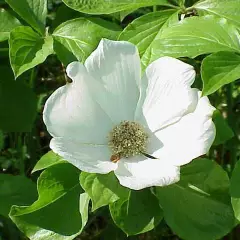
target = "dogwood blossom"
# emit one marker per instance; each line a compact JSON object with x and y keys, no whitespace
{"x":110,"y":118}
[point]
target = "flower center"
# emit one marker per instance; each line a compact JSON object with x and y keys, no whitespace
{"x":127,"y":139}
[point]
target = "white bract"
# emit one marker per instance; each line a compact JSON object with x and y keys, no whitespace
{"x":174,"y":122}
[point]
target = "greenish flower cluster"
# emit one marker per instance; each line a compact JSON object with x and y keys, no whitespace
{"x":128,"y":139}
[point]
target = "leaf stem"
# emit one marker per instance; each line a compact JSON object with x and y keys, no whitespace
{"x":231,"y":122}
{"x":21,"y":149}
{"x":32,"y":79}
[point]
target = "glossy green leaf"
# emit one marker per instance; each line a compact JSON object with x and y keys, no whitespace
{"x":34,"y":12}
{"x":77,"y":38}
{"x":18,"y":104}
{"x":146,"y":57}
{"x":60,"y":200}
{"x":111,"y":6}
{"x":223,"y":131}
{"x":7,"y":24}
{"x":47,"y":160}
{"x":228,"y":9}
{"x":198,"y":207}
{"x":235,"y":190}
{"x":15,"y":190}
{"x":137,"y":214}
{"x":28,"y":49}
{"x":103,"y":189}
{"x":143,"y":30}
{"x":219,"y":69}
{"x":195,"y":36}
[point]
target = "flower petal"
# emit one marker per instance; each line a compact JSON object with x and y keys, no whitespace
{"x":87,"y":157}
{"x":189,"y":138}
{"x":141,"y":172}
{"x":168,"y":94}
{"x":115,"y":67}
{"x":71,"y":111}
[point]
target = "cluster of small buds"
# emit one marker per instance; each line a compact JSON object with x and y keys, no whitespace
{"x":128,"y":139}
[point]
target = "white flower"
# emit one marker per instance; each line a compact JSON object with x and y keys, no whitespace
{"x":173,"y":120}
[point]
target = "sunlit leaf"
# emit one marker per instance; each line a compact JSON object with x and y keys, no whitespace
{"x":61,"y":210}
{"x":28,"y":49}
{"x":7,"y":24}
{"x":228,"y":9}
{"x":143,"y":30}
{"x":47,"y":160}
{"x":195,"y":36}
{"x":34,"y":12}
{"x":77,"y":38}
{"x":111,"y":6}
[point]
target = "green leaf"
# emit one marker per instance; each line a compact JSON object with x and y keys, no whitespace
{"x":143,"y":30}
{"x":15,"y":190}
{"x":235,"y":190}
{"x":28,"y":49}
{"x":195,"y":36}
{"x":18,"y":104}
{"x":48,"y":218}
{"x":146,"y":57}
{"x":223,"y":131}
{"x":77,"y":38}
{"x":111,"y":6}
{"x":34,"y":12}
{"x":228,"y":9}
{"x":7,"y":24}
{"x":219,"y":69}
{"x":103,"y":189}
{"x":137,"y":214}
{"x":198,"y":207}
{"x":47,"y":160}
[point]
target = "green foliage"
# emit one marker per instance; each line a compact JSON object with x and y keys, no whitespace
{"x":195,"y":36}
{"x":103,"y":189}
{"x":198,"y":207}
{"x":7,"y":23}
{"x":228,"y":9}
{"x":139,"y":213}
{"x":219,"y":69}
{"x":44,"y":36}
{"x":47,"y":160}
{"x":28,"y":49}
{"x":77,"y":38}
{"x":143,"y":30}
{"x":34,"y":12}
{"x":60,"y":199}
{"x":103,"y":7}
{"x":223,"y":131}
{"x":235,"y":190}
{"x":18,"y":104}
{"x":15,"y":190}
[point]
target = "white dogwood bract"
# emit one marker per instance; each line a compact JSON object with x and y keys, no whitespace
{"x":109,"y":89}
